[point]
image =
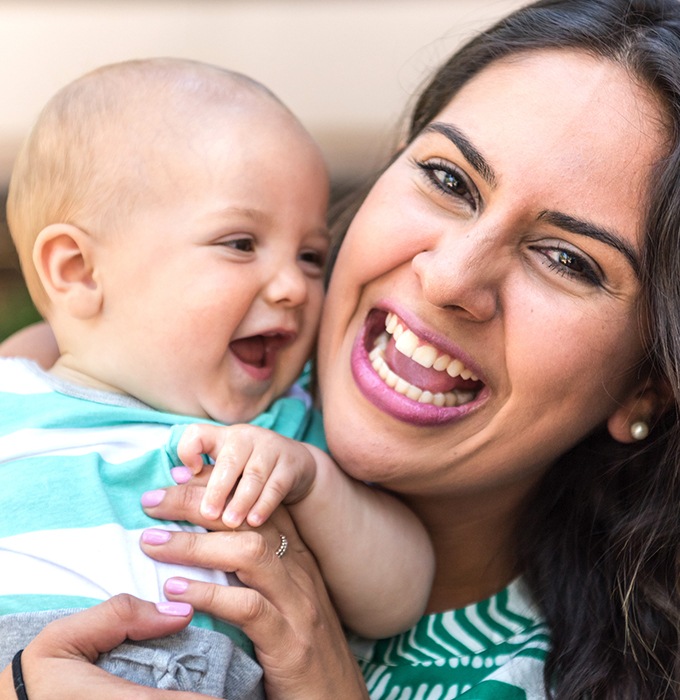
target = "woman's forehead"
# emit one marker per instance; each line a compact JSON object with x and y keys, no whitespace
{"x":572,"y":129}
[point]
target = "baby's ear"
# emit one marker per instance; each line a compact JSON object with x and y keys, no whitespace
{"x":635,"y":418}
{"x":64,"y":259}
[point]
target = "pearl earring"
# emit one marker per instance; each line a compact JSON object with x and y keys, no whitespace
{"x":639,"y":430}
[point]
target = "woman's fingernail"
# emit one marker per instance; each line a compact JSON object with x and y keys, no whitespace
{"x":176,"y":585}
{"x":153,"y":498}
{"x":181,"y":474}
{"x":154,"y":536}
{"x":175,"y":609}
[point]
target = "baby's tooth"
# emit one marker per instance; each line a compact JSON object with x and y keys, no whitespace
{"x":398,"y":330}
{"x":391,"y":323}
{"x":439,"y":399}
{"x":424,"y":355}
{"x":454,"y":368}
{"x":466,"y":374}
{"x":375,"y":353}
{"x":451,"y":399}
{"x":407,"y":342}
{"x":441,"y":363}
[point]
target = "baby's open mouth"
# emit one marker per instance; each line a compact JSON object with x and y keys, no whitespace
{"x":415,"y":368}
{"x":260,"y":350}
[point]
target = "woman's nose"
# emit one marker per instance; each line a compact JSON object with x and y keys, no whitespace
{"x":287,"y":286}
{"x":462,"y":273}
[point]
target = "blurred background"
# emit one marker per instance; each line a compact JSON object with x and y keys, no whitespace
{"x":347,"y":68}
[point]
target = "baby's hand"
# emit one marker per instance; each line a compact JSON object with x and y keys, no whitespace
{"x":260,"y":468}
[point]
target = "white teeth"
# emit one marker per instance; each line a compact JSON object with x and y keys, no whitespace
{"x":441,"y":363}
{"x":400,"y":385}
{"x":454,"y":368}
{"x":406,"y":343}
{"x":426,"y":355}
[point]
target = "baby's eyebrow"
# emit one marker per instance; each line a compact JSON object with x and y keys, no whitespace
{"x":464,"y":145}
{"x":247,"y":212}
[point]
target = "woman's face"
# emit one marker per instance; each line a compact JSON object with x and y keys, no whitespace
{"x":502,"y":246}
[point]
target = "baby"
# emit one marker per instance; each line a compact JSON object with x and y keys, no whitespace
{"x":170,"y":221}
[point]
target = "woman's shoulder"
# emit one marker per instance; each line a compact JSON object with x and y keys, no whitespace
{"x":495,"y":648}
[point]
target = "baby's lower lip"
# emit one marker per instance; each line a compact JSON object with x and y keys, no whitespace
{"x":257,"y":354}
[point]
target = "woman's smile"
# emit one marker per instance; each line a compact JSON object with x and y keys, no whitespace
{"x":421,"y":383}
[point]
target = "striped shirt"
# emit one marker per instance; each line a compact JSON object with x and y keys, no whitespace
{"x":74,"y":463}
{"x":492,"y":649}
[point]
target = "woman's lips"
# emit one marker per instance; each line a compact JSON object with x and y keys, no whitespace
{"x":409,"y":377}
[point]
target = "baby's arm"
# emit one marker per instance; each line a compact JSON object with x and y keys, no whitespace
{"x":375,"y":555}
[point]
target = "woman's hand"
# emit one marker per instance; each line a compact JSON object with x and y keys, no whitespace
{"x":285,"y":609}
{"x":59,"y":663}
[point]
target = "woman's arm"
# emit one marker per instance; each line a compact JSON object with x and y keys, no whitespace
{"x":59,"y":663}
{"x":36,"y":342}
{"x":286,"y":612}
{"x":285,"y":609}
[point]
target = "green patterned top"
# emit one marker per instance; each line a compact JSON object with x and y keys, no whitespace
{"x":494,"y":649}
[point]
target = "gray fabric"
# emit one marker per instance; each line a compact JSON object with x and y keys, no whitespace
{"x":195,"y":659}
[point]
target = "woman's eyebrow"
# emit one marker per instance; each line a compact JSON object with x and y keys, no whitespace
{"x":598,"y":233}
{"x":564,"y":221}
{"x":471,"y":154}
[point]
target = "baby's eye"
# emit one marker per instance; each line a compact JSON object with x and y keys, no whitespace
{"x":312,"y":259}
{"x":243,"y":244}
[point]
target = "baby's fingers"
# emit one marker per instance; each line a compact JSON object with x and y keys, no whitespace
{"x":197,"y":440}
{"x":276,"y":488}
{"x":254,"y":484}
{"x":229,"y":465}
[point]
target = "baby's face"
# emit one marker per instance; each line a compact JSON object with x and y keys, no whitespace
{"x":213,"y":293}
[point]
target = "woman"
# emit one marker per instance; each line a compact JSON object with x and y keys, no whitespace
{"x":526,"y":237}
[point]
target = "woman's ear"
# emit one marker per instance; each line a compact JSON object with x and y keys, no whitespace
{"x":64,"y":259}
{"x":634,"y":420}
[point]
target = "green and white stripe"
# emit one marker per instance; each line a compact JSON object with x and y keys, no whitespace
{"x":492,"y":649}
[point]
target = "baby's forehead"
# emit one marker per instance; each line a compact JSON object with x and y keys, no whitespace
{"x":164,"y":92}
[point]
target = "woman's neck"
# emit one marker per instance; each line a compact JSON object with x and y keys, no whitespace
{"x":474,"y":545}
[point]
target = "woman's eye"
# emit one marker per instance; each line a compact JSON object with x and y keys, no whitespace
{"x":571,"y":264}
{"x":451,"y":181}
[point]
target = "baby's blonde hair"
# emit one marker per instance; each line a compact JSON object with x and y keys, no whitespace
{"x":84,"y":162}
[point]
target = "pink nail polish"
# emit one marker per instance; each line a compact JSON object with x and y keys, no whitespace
{"x":176,"y":585}
{"x":181,"y":475}
{"x":175,"y":609}
{"x":152,"y":498}
{"x":154,"y":536}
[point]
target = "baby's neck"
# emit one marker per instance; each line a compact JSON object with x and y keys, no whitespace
{"x":63,"y":369}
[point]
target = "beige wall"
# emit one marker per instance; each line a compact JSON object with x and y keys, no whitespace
{"x":347,"y":67}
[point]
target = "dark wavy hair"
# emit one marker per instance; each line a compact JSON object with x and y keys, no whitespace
{"x":600,"y":538}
